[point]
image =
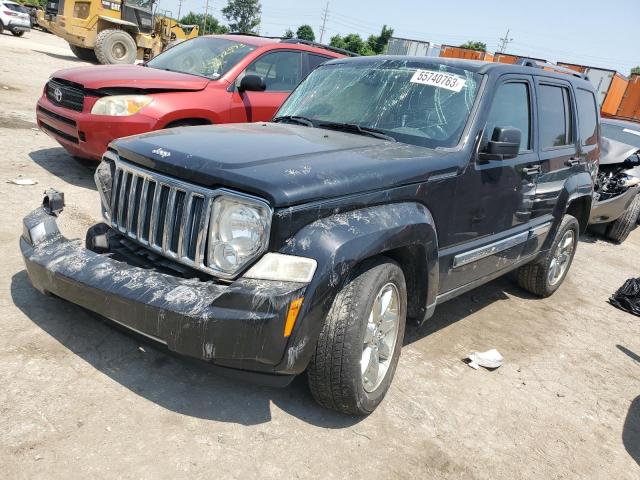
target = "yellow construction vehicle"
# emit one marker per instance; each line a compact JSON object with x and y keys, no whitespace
{"x":113,"y":31}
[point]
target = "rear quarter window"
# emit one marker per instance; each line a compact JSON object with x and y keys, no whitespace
{"x":587,"y":116}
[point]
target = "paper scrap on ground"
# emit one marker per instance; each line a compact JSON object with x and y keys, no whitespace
{"x":489,"y":359}
{"x":23,"y":181}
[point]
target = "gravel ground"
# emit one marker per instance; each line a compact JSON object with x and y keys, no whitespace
{"x":80,"y":399}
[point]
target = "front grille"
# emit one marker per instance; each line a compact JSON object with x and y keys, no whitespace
{"x":65,"y":94}
{"x":168,"y":216}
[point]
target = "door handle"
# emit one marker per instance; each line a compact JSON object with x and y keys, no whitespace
{"x":572,"y":162}
{"x":533,"y":170}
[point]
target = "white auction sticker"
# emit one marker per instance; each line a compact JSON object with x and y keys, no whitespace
{"x":439,"y":79}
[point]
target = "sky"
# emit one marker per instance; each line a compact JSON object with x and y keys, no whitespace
{"x":588,"y":32}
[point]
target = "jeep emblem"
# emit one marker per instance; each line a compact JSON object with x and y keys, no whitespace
{"x":162,"y":153}
{"x":57,"y":94}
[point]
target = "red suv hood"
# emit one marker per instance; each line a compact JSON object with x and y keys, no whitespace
{"x":131,"y":76}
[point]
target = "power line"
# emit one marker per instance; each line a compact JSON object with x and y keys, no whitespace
{"x":324,"y":21}
{"x":504,"y":41}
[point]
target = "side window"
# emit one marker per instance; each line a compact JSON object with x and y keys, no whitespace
{"x":281,"y":71}
{"x":556,"y":116}
{"x":587,"y":116}
{"x":511,"y":108}
{"x":315,"y":60}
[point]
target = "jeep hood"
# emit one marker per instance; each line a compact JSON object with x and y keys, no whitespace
{"x":285,"y":164}
{"x":133,"y":77}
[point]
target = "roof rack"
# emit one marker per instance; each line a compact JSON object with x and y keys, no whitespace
{"x":320,"y":45}
{"x":530,"y":62}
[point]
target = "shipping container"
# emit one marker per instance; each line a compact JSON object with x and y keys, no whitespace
{"x":450,"y":51}
{"x":609,"y":84}
{"x":572,"y":66}
{"x":510,"y":58}
{"x":613,"y":94}
{"x":405,"y":46}
{"x":630,"y":104}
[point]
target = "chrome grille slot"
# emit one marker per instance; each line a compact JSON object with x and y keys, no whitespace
{"x":166,"y":215}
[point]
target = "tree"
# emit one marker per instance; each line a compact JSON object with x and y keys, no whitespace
{"x":375,"y":44}
{"x":635,"y":70}
{"x":378,"y":44}
{"x":213,"y":24}
{"x":289,"y":34}
{"x":305,"y":32}
{"x":480,"y":46}
{"x":243,"y":15}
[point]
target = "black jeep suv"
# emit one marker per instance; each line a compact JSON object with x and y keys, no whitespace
{"x":383,"y":187}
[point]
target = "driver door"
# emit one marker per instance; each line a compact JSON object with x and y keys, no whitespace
{"x":281,"y":72}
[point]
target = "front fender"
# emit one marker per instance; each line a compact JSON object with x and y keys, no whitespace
{"x":340,"y":242}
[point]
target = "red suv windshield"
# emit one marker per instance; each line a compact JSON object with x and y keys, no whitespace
{"x":204,"y":56}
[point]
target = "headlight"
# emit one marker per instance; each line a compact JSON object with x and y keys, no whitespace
{"x":104,"y":182}
{"x":120,"y":105}
{"x":239,"y":232}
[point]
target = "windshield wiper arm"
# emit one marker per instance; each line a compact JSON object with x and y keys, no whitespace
{"x":296,"y":119}
{"x":355,"y":128}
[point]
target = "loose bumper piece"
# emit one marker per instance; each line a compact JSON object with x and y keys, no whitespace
{"x":238,"y":325}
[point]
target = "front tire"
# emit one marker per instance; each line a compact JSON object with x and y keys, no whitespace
{"x":86,"y":54}
{"x":360,"y":342}
{"x":115,"y":47}
{"x":544,"y":275}
{"x":619,"y":230}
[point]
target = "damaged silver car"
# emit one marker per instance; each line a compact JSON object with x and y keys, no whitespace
{"x":617,"y":200}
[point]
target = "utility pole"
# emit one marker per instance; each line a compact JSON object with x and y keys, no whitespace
{"x":206,"y":14}
{"x":325,"y":14}
{"x":504,"y":41}
{"x":179,"y":9}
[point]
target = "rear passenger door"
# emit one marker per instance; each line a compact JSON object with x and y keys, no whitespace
{"x":557,"y":143}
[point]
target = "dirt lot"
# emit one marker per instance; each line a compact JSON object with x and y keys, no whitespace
{"x":79,"y":399}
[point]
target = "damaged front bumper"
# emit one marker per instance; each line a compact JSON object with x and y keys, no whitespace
{"x":238,"y":325}
{"x":613,"y":208}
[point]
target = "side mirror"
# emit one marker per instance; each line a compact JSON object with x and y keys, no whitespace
{"x":504,"y":144}
{"x":252,"y":83}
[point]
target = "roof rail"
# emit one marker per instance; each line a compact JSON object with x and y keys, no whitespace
{"x":321,"y":45}
{"x":530,"y":62}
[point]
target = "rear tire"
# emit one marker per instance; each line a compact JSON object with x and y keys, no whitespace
{"x":619,"y":230}
{"x":1,"y":27}
{"x":115,"y":47}
{"x":356,"y":355}
{"x":86,"y":54}
{"x":542,"y":277}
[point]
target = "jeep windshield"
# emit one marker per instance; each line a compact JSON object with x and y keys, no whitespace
{"x":412,"y":102}
{"x":203,"y":56}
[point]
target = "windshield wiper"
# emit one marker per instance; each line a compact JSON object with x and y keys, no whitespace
{"x":296,"y":119}
{"x":178,"y":71}
{"x":355,"y":128}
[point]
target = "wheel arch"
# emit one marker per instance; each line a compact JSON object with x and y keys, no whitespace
{"x":187,"y":121}
{"x":404,"y":232}
{"x":580,"y":208}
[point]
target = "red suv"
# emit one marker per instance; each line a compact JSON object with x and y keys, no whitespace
{"x":212,"y":79}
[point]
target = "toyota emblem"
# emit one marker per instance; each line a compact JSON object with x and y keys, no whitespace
{"x":57,"y":94}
